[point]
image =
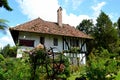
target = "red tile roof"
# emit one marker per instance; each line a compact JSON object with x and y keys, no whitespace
{"x":40,"y":26}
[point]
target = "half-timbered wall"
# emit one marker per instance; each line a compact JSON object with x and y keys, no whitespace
{"x":64,"y":43}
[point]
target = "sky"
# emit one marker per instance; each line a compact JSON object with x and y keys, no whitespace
{"x":74,"y":11}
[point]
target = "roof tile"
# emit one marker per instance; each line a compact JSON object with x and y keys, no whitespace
{"x":40,"y":26}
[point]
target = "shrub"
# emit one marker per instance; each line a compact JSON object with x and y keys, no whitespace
{"x":1,"y":57}
{"x":9,"y":51}
{"x":100,"y":65}
{"x":14,"y":69}
{"x":42,"y":62}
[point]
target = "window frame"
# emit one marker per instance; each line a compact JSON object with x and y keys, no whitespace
{"x":55,"y":41}
{"x":42,"y":40}
{"x":25,"y":42}
{"x":74,"y":42}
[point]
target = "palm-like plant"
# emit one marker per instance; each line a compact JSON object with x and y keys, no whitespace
{"x":4,"y":3}
{"x":3,"y":24}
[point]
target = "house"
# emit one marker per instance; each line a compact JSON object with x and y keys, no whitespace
{"x":51,"y":34}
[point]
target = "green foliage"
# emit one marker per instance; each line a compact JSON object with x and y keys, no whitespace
{"x":75,"y":49}
{"x":43,"y":66}
{"x":1,"y":57}
{"x":104,"y":63}
{"x":4,"y":3}
{"x":118,"y":22}
{"x":66,"y":63}
{"x":3,"y":24}
{"x":114,"y":47}
{"x":9,"y":51}
{"x":37,"y":58}
{"x":76,"y":72}
{"x":105,"y":34}
{"x":14,"y":69}
{"x":72,"y":50}
{"x":101,"y":66}
{"x":75,"y":69}
{"x":118,"y":76}
{"x":86,"y":26}
{"x":118,"y":26}
{"x":36,"y":65}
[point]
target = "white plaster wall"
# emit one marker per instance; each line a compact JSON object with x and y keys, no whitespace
{"x":30,"y":36}
{"x":81,"y":41}
{"x":48,"y":40}
{"x":82,"y":57}
{"x":65,"y":46}
{"x":49,"y":43}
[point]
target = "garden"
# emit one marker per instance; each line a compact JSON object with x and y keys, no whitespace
{"x":36,"y":65}
{"x":103,"y":57}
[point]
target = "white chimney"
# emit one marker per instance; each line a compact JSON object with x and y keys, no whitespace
{"x":59,"y":16}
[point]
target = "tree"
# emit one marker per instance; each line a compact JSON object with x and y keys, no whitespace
{"x":118,"y":23}
{"x":9,"y":51}
{"x":4,"y":3}
{"x":3,"y":24}
{"x":105,"y":34}
{"x":102,"y":65}
{"x":14,"y":69}
{"x":86,"y":26}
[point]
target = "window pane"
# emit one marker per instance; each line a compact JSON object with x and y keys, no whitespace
{"x":74,"y":42}
{"x":29,"y":43}
{"x":77,"y":43}
{"x":42,"y":40}
{"x":55,"y":42}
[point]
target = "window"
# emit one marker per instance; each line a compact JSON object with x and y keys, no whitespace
{"x":29,"y":43}
{"x":42,"y":40}
{"x":77,"y":42}
{"x":71,"y":43}
{"x":55,"y":42}
{"x":74,"y":42}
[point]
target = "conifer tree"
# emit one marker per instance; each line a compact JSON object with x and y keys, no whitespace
{"x":105,"y":34}
{"x":118,"y":23}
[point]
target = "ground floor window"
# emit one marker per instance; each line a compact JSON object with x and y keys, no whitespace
{"x":55,"y":41}
{"x":42,"y":40}
{"x":74,"y":42}
{"x":29,"y":43}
